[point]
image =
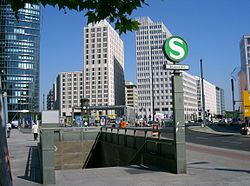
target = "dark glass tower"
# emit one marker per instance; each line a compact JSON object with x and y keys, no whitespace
{"x":19,"y":58}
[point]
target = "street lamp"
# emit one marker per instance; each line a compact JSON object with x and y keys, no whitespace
{"x":152,"y":84}
{"x":203,"y":96}
{"x":232,"y":85}
{"x":152,"y":81}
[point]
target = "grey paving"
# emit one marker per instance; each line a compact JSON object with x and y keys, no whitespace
{"x":206,"y":166}
{"x":23,"y":158}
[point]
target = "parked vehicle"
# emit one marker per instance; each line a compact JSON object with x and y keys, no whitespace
{"x":245,"y":130}
{"x":14,"y":124}
{"x":235,"y":121}
{"x":149,"y":123}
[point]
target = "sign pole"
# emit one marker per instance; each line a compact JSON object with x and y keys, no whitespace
{"x":179,"y":123}
{"x":176,"y":49}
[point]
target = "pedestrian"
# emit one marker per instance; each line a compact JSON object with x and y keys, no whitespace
{"x":8,"y":129}
{"x":35,"y":131}
{"x":123,"y":124}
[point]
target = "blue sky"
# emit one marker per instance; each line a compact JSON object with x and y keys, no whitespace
{"x":212,"y":29}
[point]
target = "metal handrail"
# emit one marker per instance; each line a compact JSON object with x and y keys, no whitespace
{"x":134,"y":129}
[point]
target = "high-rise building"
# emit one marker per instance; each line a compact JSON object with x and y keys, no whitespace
{"x":153,"y":82}
{"x":19,"y":57}
{"x":190,"y":97}
{"x":131,"y":96}
{"x":69,"y":91}
{"x":210,"y":98}
{"x":244,"y":74}
{"x":220,"y":101}
{"x":104,"y":82}
{"x":51,"y":98}
{"x":245,"y":63}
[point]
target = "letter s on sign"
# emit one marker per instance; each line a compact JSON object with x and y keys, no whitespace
{"x":176,"y":48}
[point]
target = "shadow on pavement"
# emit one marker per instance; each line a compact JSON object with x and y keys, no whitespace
{"x":222,"y":169}
{"x":142,"y":169}
{"x":32,"y":170}
{"x":198,"y":163}
{"x":228,"y":129}
{"x":224,"y":135}
{"x":233,"y":170}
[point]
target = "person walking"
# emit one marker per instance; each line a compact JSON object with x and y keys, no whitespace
{"x":123,"y":124}
{"x":35,"y":131}
{"x":8,"y":129}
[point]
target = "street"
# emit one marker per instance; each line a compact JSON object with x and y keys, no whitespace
{"x":232,"y":139}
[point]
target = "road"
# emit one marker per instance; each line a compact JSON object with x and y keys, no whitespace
{"x":228,"y":141}
{"x":222,"y":141}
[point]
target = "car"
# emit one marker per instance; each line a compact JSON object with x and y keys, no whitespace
{"x":149,"y":123}
{"x":14,"y":124}
{"x":221,"y":123}
{"x":245,"y":130}
{"x":200,"y":120}
{"x":235,"y":121}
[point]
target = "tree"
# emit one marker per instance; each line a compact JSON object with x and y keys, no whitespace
{"x":116,"y":11}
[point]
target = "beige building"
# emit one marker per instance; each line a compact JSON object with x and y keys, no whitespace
{"x":131,"y":96}
{"x":190,"y":97}
{"x":69,"y":91}
{"x":210,"y":97}
{"x":104,"y":82}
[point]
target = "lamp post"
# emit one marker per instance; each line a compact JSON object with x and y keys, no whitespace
{"x":203,"y":96}
{"x":232,"y":86}
{"x":152,"y":84}
{"x":152,"y":81}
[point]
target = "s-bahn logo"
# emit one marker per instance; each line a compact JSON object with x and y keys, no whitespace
{"x":175,"y":49}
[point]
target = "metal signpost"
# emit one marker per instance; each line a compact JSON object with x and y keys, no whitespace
{"x":176,"y":49}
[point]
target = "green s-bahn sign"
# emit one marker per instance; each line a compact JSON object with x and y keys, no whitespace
{"x":175,"y":49}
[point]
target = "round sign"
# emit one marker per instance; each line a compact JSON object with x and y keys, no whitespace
{"x":175,"y":49}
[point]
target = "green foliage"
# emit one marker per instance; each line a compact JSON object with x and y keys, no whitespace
{"x":116,"y":11}
{"x":229,"y":114}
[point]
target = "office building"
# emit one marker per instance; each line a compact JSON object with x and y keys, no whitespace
{"x":244,"y":73}
{"x":51,"y":98}
{"x":245,"y":63}
{"x":220,"y":101}
{"x":210,"y":98}
{"x":131,"y":96}
{"x":190,"y":97}
{"x":69,"y":91}
{"x":19,"y":58}
{"x":104,"y":83}
{"x":153,"y":83}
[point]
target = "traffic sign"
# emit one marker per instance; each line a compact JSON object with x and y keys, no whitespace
{"x":246,"y":111}
{"x":246,"y":98}
{"x":175,"y":49}
{"x":175,"y":67}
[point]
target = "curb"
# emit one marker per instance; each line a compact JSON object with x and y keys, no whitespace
{"x":211,"y":131}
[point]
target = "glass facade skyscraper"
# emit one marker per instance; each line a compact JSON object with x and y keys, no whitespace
{"x":19,"y":57}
